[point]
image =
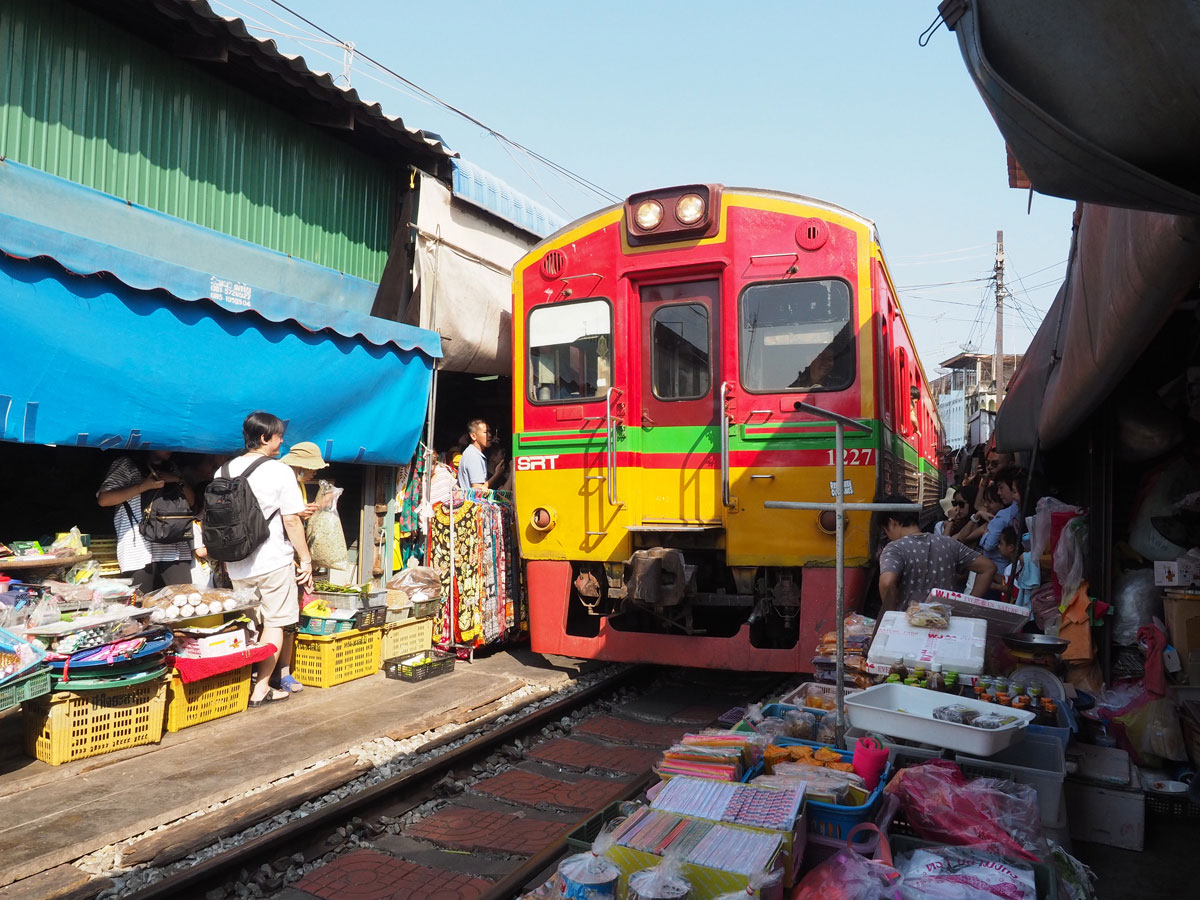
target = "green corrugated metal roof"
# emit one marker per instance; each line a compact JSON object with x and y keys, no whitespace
{"x":83,"y":100}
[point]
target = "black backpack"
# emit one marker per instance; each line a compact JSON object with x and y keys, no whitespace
{"x":166,"y":515}
{"x":233,"y":523}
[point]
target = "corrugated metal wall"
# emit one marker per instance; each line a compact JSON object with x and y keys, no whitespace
{"x":85,"y":101}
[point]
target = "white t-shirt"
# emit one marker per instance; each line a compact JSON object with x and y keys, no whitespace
{"x":276,"y":489}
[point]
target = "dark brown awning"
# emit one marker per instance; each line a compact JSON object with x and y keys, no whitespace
{"x":1098,"y":99}
{"x":1127,"y":272}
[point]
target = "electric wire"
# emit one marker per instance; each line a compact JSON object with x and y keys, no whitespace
{"x":449,"y":107}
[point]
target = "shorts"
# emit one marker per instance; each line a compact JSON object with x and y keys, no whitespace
{"x":280,"y":605}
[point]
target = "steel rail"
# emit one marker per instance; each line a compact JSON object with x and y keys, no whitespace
{"x":218,"y":868}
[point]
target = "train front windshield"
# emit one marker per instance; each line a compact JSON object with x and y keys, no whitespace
{"x":796,"y":336}
{"x":570,"y":351}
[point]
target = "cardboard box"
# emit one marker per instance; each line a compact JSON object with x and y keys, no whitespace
{"x":1003,"y":618}
{"x":212,"y":645}
{"x":1183,"y":623}
{"x":1182,"y":572}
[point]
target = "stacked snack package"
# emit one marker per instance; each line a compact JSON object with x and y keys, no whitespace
{"x":591,"y":875}
{"x":724,"y":755}
{"x":858,"y":630}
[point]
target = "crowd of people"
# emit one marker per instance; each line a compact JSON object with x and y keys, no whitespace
{"x":978,"y":548}
{"x":139,"y":486}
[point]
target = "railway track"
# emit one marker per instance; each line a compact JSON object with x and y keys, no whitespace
{"x":499,"y":805}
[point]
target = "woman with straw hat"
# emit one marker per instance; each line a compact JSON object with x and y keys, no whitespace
{"x":305,"y":460}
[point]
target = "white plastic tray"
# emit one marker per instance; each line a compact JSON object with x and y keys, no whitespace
{"x":905,"y":711}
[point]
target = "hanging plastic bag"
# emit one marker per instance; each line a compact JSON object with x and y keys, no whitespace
{"x":849,"y":876}
{"x":942,"y":805}
{"x":326,"y":540}
{"x":1138,"y":600}
{"x":1049,"y":512}
{"x":1070,"y":556}
{"x":963,"y":873}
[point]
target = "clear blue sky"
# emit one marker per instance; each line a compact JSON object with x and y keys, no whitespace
{"x":829,"y":99}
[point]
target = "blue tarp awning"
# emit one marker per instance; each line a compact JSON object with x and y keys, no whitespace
{"x":101,"y":351}
{"x":91,"y":362}
{"x":88,"y":231}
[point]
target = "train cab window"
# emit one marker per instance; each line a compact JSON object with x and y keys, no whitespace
{"x":797,"y":336}
{"x":679,"y":352}
{"x":570,"y":351}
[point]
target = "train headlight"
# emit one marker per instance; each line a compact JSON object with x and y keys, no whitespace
{"x":690,"y":209}
{"x":827,"y":521}
{"x":649,"y":215}
{"x":543,"y":519}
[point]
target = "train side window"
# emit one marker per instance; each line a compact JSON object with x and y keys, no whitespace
{"x":797,"y":336}
{"x":680,"y":351}
{"x":903,"y":420}
{"x":570,"y":351}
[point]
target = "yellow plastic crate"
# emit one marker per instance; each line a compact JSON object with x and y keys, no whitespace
{"x":406,"y":638}
{"x":207,"y":699}
{"x":327,"y":659}
{"x":63,"y":726}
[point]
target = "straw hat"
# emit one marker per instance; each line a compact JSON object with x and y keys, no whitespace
{"x":945,"y":503}
{"x":304,"y":455}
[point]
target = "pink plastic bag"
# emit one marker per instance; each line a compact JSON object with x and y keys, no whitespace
{"x":942,"y":805}
{"x":848,"y":876}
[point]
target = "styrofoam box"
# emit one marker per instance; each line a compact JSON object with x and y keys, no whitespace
{"x":906,"y":711}
{"x":959,"y":648}
{"x":1107,"y":815}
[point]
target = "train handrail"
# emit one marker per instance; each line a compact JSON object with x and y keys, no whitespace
{"x":725,"y":494}
{"x":610,"y":447}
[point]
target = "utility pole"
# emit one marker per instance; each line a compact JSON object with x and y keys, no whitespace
{"x":998,"y":359}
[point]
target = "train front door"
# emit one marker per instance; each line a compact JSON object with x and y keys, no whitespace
{"x":680,"y":378}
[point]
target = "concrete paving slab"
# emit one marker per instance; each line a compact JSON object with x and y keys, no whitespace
{"x":466,"y":828}
{"x":51,"y":815}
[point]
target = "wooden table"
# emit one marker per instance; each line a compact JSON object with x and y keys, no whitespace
{"x":16,"y":564}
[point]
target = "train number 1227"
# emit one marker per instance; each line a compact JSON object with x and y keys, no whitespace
{"x":855,"y":457}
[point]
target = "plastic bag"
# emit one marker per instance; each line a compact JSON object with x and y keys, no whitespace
{"x":800,"y":724}
{"x":1043,"y":520}
{"x":1153,"y":731}
{"x":928,"y":615}
{"x":326,"y":540}
{"x":1157,"y":496}
{"x":963,"y":873}
{"x":662,"y":882}
{"x":45,"y":612}
{"x":419,"y":582}
{"x":1070,"y":556}
{"x":589,"y":875}
{"x":754,"y":885}
{"x":942,"y":805}
{"x":1138,"y":601}
{"x":848,"y":876}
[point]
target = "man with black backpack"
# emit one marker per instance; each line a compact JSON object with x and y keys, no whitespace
{"x":152,"y":518}
{"x":252,"y":522}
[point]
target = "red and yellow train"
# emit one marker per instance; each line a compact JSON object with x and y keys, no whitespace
{"x":660,"y":347}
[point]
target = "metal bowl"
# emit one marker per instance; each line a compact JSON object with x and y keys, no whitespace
{"x":1036,"y":643}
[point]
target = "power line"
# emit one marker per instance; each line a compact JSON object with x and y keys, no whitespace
{"x":500,"y":136}
{"x":917,"y":287}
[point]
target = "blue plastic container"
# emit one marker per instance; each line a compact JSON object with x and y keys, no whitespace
{"x":828,"y":820}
